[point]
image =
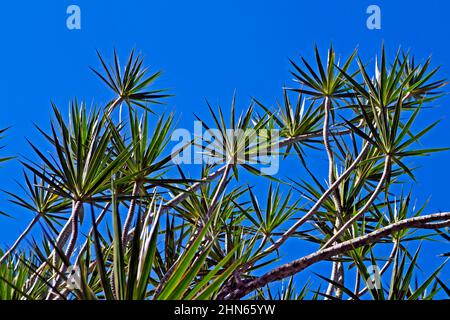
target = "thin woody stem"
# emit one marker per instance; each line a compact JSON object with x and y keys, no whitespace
{"x":130,"y":214}
{"x":219,"y":190}
{"x":77,"y":207}
{"x":357,"y":282}
{"x":337,"y":274}
{"x":20,"y":238}
{"x":330,"y":155}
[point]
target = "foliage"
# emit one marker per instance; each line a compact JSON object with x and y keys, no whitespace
{"x":121,"y":221}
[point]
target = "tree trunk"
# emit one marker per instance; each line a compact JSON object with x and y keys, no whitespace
{"x":130,"y":215}
{"x":77,"y":207}
{"x":337,"y":273}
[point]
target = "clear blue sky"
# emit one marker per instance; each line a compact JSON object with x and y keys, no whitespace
{"x":207,"y":49}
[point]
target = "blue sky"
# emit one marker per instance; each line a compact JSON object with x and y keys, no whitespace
{"x":207,"y":49}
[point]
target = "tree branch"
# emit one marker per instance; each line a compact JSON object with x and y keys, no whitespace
{"x":296,"y":266}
